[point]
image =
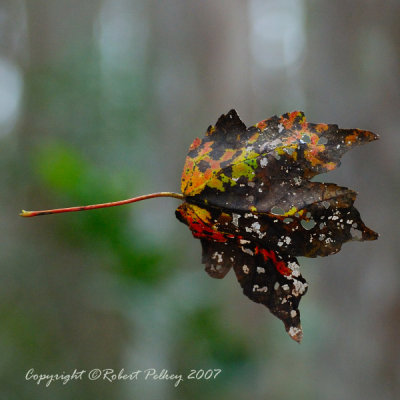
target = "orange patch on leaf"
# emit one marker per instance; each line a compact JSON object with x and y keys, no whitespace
{"x":195,"y":144}
{"x":261,"y":125}
{"x":254,"y":138}
{"x":350,"y":139}
{"x":314,"y":138}
{"x":229,"y":153}
{"x":330,"y":166}
{"x":321,"y":127}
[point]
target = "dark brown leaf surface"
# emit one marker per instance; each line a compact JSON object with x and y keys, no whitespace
{"x":249,"y":199}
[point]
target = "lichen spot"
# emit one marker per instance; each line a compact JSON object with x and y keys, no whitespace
{"x":263,"y":162}
{"x":235,"y":219}
{"x":218,"y":257}
{"x":257,"y":288}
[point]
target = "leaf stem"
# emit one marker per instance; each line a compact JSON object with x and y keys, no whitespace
{"x":103,"y":205}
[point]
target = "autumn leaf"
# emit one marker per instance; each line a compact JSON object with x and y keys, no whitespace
{"x":249,"y":199}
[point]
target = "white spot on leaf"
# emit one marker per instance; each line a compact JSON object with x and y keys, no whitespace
{"x":263,"y":162}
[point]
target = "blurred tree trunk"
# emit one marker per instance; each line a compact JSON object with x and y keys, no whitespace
{"x":193,"y":88}
{"x":353,"y":78}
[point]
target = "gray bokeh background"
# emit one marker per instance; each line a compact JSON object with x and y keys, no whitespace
{"x":100,"y":100}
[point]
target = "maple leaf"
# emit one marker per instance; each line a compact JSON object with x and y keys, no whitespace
{"x":249,"y":199}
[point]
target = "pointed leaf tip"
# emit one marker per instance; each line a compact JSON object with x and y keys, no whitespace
{"x":296,"y":333}
{"x":368,"y":136}
{"x":230,"y":122}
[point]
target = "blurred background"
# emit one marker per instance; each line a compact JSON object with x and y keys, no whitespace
{"x":99,"y":101}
